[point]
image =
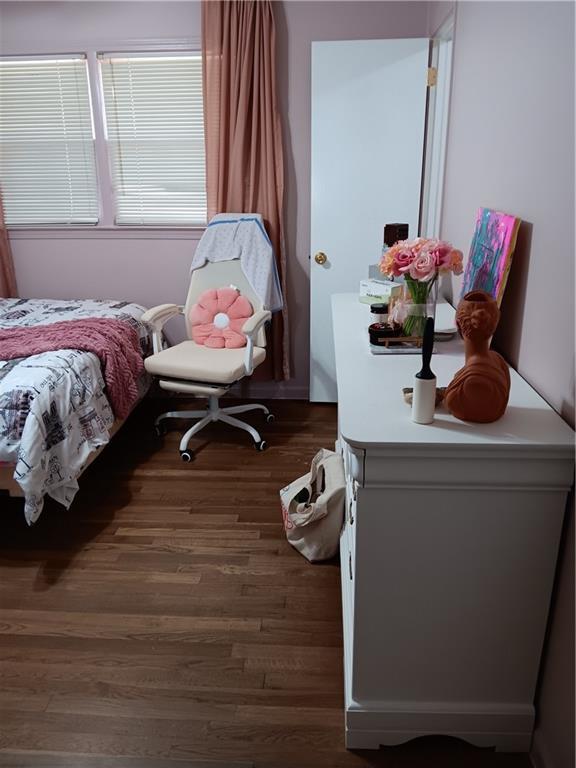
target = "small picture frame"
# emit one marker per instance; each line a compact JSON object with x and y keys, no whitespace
{"x":491,"y":252}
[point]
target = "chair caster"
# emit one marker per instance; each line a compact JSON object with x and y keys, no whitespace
{"x":269,"y":417}
{"x":186,"y":456}
{"x":261,"y":446}
{"x":160,"y":429}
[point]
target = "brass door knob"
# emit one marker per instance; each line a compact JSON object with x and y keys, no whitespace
{"x":320,"y":258}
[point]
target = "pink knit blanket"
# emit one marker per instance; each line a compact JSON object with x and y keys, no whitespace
{"x":115,"y":342}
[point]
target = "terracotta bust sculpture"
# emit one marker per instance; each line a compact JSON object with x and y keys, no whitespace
{"x":479,"y":391}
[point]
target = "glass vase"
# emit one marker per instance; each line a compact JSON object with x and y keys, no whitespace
{"x":418,"y":302}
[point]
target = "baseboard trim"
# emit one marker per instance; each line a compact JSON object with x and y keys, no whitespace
{"x":269,"y":390}
{"x":507,"y":727}
{"x":503,"y":742}
{"x":539,"y":754}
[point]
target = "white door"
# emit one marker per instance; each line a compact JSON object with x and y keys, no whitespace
{"x":368,"y":115}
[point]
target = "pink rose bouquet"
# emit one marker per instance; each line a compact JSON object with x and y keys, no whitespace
{"x":419,"y":262}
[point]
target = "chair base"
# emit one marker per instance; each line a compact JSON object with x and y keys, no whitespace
{"x":214,"y":413}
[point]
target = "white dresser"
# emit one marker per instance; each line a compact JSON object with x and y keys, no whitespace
{"x":448,"y":550}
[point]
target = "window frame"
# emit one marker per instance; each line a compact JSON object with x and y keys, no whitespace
{"x":123,"y":133}
{"x":82,"y":129}
{"x":105,"y":227}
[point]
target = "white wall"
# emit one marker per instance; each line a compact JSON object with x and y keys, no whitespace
{"x":553,"y":745}
{"x":511,"y":147}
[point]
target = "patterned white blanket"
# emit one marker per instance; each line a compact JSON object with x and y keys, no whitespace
{"x":54,"y":412}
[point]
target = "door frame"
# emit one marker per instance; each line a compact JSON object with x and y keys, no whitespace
{"x":441,"y":54}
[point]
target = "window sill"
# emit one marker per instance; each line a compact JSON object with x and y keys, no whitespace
{"x":104,"y":233}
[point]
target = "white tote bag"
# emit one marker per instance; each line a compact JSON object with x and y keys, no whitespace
{"x":313,"y":507}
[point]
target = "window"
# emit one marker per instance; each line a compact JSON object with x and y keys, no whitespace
{"x":143,"y":139}
{"x":155,"y":135}
{"x":47,"y":165}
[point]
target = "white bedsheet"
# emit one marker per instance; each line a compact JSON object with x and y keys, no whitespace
{"x":54,"y":412}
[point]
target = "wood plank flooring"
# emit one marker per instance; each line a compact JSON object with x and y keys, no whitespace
{"x":163,"y":621}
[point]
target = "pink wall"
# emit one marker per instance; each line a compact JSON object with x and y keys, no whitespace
{"x":299,"y":23}
{"x":36,"y":27}
{"x":154,"y":269}
{"x":438,"y":12}
{"x":149,"y":267}
{"x":511,"y":147}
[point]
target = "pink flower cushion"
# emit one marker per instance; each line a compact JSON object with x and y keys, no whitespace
{"x":217,"y":318}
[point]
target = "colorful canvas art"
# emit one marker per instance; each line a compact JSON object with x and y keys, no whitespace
{"x":491,"y":252}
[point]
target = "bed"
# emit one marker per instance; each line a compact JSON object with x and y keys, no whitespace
{"x":55,"y":410}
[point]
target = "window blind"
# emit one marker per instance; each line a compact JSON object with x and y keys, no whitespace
{"x":155,"y":133}
{"x":47,"y":165}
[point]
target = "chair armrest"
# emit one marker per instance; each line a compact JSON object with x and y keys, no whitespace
{"x":249,"y":329}
{"x":254,"y":323}
{"x":156,"y":317}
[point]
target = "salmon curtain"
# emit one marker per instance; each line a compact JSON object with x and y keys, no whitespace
{"x":7,"y":275}
{"x":244,"y":158}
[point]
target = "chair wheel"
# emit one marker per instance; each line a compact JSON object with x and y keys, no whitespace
{"x":186,"y":456}
{"x":261,"y":446}
{"x":160,"y":429}
{"x":269,"y":417}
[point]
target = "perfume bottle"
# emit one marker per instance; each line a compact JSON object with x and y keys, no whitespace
{"x":392,"y":233}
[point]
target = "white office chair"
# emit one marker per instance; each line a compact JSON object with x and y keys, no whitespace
{"x":191,"y":368}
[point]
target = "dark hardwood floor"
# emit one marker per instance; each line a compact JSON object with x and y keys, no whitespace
{"x":163,"y":621}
